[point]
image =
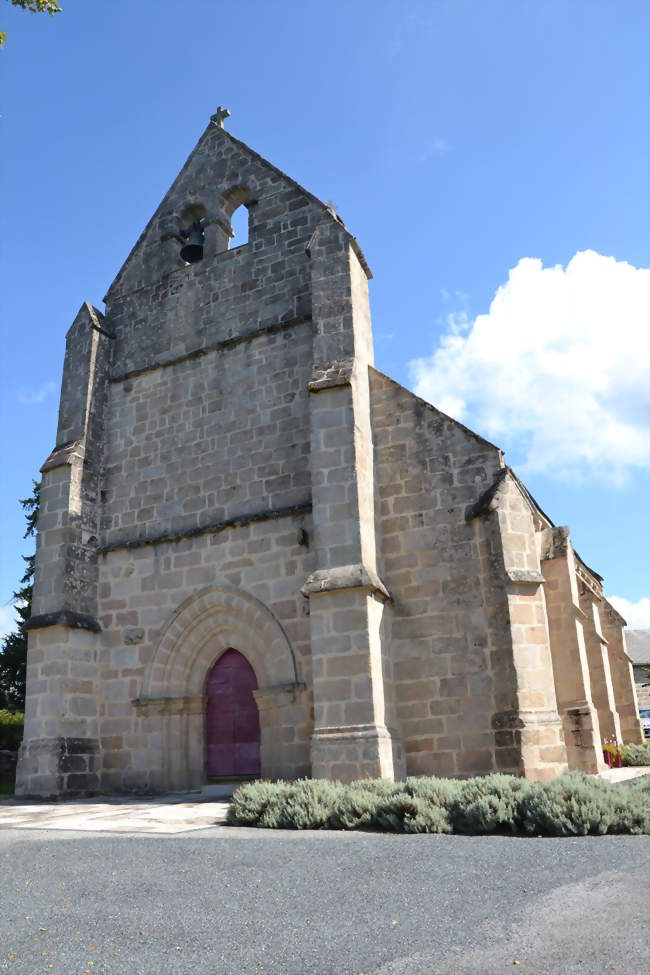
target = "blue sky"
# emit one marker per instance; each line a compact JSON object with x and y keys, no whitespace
{"x":456,"y":139}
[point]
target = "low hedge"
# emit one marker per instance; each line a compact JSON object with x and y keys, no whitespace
{"x":636,"y":754}
{"x":11,"y":729}
{"x":571,"y":805}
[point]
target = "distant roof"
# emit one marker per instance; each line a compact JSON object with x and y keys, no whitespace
{"x":638,"y":645}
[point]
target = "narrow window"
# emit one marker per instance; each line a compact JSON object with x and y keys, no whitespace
{"x":239,"y":224}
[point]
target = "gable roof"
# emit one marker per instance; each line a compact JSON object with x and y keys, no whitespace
{"x":213,"y":131}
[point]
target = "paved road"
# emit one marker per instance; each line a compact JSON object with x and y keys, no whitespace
{"x":225,"y":901}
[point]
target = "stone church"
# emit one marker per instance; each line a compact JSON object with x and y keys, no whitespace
{"x":260,"y":556}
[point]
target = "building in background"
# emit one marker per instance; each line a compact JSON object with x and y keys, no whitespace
{"x":638,"y":647}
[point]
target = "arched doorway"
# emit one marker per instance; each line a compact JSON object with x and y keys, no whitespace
{"x":232,"y":724}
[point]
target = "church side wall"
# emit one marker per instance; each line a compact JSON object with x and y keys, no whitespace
{"x":428,"y":470}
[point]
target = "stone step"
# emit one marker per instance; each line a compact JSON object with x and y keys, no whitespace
{"x":220,"y":790}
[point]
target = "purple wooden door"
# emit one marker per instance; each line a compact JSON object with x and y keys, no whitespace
{"x":232,"y":724}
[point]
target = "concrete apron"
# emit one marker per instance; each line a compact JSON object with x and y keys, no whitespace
{"x":180,"y":813}
{"x":624,"y":774}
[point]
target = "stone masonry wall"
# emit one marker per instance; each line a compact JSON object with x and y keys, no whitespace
{"x":428,"y":470}
{"x":209,"y":439}
{"x":160,"y":309}
{"x":202,"y":480}
{"x":207,"y":435}
{"x":140,"y":592}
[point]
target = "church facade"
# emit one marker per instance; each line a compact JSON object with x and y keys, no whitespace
{"x":258,"y":555}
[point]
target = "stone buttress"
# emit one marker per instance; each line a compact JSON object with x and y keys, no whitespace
{"x":528,"y":736}
{"x":61,"y":751}
{"x":354,"y":721}
{"x":622,"y":673}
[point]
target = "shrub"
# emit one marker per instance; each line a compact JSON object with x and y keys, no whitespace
{"x":11,"y":729}
{"x":378,"y":787}
{"x":488,"y":804}
{"x":438,"y":792}
{"x":395,"y":812}
{"x":636,"y":754}
{"x":354,"y":808}
{"x":575,"y":805}
{"x":258,"y":804}
{"x":310,"y":804}
{"x":641,"y":785}
{"x":572,"y":805}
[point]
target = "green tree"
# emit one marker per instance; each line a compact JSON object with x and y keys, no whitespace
{"x":13,"y":649}
{"x":50,"y":7}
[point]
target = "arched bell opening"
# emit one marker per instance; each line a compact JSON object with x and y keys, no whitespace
{"x":192,"y":233}
{"x":232,"y":733}
{"x":240,"y":226}
{"x":235,"y":204}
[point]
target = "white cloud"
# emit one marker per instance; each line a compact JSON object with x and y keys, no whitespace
{"x":38,"y":396}
{"x":556,"y":370}
{"x":637,"y":615}
{"x":7,"y":621}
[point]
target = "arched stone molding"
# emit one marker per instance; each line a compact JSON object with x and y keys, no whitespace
{"x":201,"y":629}
{"x":172,"y":697}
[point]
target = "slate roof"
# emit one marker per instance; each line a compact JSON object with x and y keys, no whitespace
{"x":638,"y":645}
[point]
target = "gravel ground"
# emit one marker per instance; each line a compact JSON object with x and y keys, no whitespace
{"x":224,"y":901}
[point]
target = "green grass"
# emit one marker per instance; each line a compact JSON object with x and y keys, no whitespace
{"x":571,"y":805}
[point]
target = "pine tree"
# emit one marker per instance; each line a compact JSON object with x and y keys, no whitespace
{"x":13,"y":649}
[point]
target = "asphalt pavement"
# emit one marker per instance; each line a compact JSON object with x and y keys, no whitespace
{"x":222,"y":901}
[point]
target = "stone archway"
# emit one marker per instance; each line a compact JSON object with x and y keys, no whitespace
{"x":201,"y":629}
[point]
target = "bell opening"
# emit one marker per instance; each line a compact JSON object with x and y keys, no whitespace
{"x":192,"y":249}
{"x":191,"y":253}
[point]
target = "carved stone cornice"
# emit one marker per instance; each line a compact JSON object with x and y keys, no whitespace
{"x":64,"y":617}
{"x":329,"y":375}
{"x":356,"y":576}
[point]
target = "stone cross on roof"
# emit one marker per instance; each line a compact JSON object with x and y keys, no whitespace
{"x":220,"y":116}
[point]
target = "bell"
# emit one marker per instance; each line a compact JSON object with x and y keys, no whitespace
{"x":192,"y":251}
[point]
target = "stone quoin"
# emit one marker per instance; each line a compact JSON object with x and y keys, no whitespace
{"x":232,"y":475}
